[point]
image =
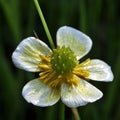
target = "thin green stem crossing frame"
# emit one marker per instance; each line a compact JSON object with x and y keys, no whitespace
{"x":44,"y":24}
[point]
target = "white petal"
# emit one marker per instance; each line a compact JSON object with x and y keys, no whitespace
{"x":76,"y":40}
{"x":75,"y":96}
{"x":39,"y":94}
{"x":99,"y":70}
{"x":27,"y":54}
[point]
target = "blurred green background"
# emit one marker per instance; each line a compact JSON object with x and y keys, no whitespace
{"x":100,"y":19}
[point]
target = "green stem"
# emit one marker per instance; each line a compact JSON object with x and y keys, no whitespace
{"x":75,"y":113}
{"x":44,"y":24}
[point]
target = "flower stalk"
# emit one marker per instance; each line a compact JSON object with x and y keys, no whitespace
{"x":75,"y":113}
{"x":44,"y":24}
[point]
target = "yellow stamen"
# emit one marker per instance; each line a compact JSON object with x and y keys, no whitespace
{"x":81,"y":71}
{"x":85,"y":62}
{"x":54,"y":79}
{"x":44,"y":66}
{"x":70,"y":78}
{"x":45,"y":59}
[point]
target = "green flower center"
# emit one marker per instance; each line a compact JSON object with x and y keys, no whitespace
{"x":63,"y":60}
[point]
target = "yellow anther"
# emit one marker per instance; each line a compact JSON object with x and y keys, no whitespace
{"x":44,"y":67}
{"x":45,"y":58}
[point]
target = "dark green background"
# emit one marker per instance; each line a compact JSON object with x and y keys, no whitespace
{"x":100,"y":19}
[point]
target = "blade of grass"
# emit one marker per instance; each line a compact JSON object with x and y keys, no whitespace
{"x":10,"y":87}
{"x":61,"y":115}
{"x":50,"y":113}
{"x":83,"y":16}
{"x":11,"y":12}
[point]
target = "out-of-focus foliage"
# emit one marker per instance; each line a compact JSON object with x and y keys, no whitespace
{"x":100,"y":19}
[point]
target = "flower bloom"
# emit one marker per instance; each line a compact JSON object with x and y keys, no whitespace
{"x":61,"y":75}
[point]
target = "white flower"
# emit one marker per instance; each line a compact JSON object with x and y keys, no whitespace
{"x":61,"y":74}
